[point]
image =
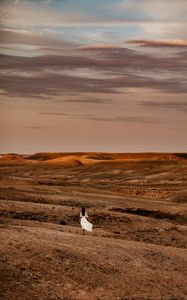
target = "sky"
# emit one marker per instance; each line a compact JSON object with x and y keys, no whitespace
{"x":93,"y":75}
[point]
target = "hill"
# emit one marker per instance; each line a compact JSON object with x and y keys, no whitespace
{"x":137,"y":204}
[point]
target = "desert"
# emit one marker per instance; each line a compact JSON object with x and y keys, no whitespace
{"x":93,"y":156}
{"x":137,"y":203}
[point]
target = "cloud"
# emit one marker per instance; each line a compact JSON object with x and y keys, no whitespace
{"x":28,"y":13}
{"x":86,"y":99}
{"x":159,"y":11}
{"x":89,"y":13}
{"x":46,"y":75}
{"x":63,"y":24}
{"x":67,"y":13}
{"x":133,"y":119}
{"x":178,"y":105}
{"x":30,"y":37}
{"x":98,"y":47}
{"x":49,"y":85}
{"x":159,"y":43}
{"x":96,"y":118}
{"x":102,"y":58}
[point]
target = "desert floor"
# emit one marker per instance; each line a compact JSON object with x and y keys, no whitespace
{"x":137,"y":204}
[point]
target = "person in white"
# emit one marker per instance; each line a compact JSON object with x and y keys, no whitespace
{"x":84,"y":222}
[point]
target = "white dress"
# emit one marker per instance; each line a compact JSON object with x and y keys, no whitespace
{"x":84,"y":222}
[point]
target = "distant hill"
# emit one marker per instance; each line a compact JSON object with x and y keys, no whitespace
{"x":11,"y":156}
{"x":84,"y":158}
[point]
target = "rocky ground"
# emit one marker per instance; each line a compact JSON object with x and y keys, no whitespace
{"x":138,"y":207}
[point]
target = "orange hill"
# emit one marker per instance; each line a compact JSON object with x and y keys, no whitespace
{"x":82,"y":158}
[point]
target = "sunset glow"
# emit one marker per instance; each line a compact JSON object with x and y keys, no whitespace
{"x":93,"y":75}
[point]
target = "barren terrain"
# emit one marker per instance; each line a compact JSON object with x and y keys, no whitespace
{"x":137,"y":204}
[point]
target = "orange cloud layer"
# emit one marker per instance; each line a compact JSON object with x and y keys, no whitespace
{"x":159,"y":43}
